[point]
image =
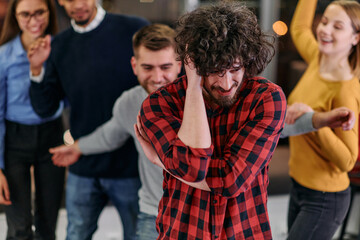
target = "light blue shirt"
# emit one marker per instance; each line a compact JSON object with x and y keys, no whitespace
{"x":15,"y":103}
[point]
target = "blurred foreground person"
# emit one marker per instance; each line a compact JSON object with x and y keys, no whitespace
{"x":154,"y":63}
{"x":24,"y":136}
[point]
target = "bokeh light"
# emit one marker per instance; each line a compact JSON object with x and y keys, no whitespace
{"x":280,"y":28}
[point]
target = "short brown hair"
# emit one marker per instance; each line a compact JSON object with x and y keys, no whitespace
{"x":154,"y":37}
{"x":11,"y":28}
{"x":218,"y":37}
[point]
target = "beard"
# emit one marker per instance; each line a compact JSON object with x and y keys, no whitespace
{"x":223,"y":101}
{"x":82,"y":23}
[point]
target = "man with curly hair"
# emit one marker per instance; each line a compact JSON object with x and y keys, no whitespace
{"x":218,"y":126}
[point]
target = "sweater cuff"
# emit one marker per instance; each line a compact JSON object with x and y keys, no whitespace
{"x":301,"y":126}
{"x":39,"y":78}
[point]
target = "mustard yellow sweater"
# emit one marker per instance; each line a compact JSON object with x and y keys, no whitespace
{"x":320,"y":160}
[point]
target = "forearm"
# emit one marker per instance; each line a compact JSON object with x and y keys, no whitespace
{"x":339,"y":147}
{"x":194,"y":130}
{"x":303,"y":16}
{"x":248,"y":151}
{"x":301,"y":29}
{"x":239,"y":171}
{"x":161,"y":120}
{"x":45,"y":100}
{"x":194,"y":133}
{"x":105,"y":138}
{"x":199,"y":185}
{"x":302,"y":125}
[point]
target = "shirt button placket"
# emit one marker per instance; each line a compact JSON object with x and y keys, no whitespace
{"x":215,"y":201}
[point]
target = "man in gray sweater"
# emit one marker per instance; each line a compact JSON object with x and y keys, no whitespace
{"x":155,"y":65}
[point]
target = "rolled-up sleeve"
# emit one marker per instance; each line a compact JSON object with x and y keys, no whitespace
{"x":161,"y":122}
{"x":250,"y":149}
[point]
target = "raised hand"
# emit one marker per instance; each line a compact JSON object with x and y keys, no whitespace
{"x":295,"y":111}
{"x":338,"y":117}
{"x":193,"y":78}
{"x":38,"y":53}
{"x":64,"y":156}
{"x":4,"y":190}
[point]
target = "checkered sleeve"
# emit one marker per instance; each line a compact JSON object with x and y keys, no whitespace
{"x":161,"y":121}
{"x":251,"y":146}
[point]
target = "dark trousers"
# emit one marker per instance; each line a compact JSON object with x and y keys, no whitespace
{"x":26,"y":146}
{"x":315,"y":215}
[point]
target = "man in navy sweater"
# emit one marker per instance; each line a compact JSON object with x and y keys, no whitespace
{"x":88,"y":64}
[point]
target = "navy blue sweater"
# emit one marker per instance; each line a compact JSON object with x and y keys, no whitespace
{"x":91,"y":70}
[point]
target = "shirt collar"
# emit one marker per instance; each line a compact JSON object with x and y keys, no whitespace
{"x":100,"y":14}
{"x":18,"y":47}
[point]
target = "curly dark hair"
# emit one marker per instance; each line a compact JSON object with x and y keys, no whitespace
{"x":219,"y":37}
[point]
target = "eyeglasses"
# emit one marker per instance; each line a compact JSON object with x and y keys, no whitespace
{"x":39,"y":15}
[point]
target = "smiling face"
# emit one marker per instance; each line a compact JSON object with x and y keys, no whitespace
{"x":224,"y":90}
{"x":33,"y":18}
{"x":82,"y":11}
{"x":335,"y":33}
{"x":155,"y":69}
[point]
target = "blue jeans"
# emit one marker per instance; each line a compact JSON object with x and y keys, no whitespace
{"x":146,"y":227}
{"x":314,"y":214}
{"x":87,"y":197}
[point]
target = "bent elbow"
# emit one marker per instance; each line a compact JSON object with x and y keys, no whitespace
{"x":349,"y":164}
{"x":44,"y":113}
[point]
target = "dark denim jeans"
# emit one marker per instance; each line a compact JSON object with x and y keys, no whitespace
{"x":315,"y":215}
{"x":26,"y":146}
{"x":87,"y":197}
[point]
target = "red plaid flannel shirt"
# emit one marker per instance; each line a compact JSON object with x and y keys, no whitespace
{"x":244,"y":138}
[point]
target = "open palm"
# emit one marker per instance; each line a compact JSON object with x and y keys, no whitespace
{"x":64,"y":156}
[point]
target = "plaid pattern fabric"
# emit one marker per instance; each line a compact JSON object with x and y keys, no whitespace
{"x":235,"y":166}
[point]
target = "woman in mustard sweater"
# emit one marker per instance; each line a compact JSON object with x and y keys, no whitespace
{"x":319,"y":161}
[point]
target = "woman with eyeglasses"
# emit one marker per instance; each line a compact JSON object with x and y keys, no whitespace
{"x":25,"y":137}
{"x":319,"y":161}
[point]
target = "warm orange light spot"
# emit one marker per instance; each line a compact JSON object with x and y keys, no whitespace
{"x":280,"y":28}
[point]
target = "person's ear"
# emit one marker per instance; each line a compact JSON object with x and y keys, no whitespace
{"x":133,"y":65}
{"x":356,"y":39}
{"x":61,"y":2}
{"x":179,"y":67}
